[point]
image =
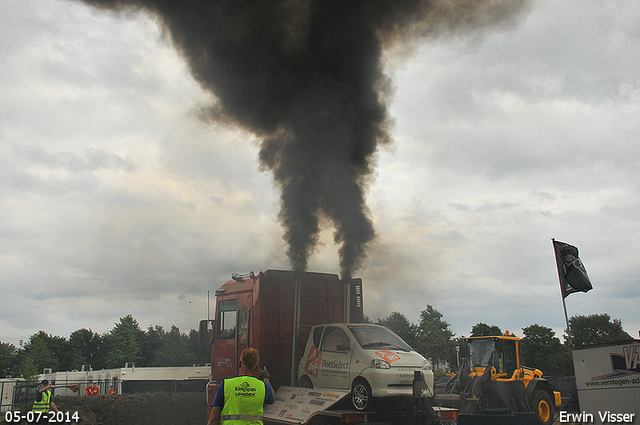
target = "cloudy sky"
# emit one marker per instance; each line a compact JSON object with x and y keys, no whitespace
{"x":117,"y":199}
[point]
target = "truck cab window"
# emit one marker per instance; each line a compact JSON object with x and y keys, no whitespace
{"x":227,"y":314}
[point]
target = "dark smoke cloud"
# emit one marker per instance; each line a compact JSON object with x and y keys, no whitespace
{"x":306,"y":76}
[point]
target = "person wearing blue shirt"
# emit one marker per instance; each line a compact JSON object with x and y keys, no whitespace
{"x":43,"y":403}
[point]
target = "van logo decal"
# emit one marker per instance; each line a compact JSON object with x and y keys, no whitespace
{"x":313,"y":362}
{"x":388,"y":356}
{"x":625,"y":364}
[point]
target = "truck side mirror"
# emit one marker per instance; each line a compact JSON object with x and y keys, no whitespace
{"x":204,"y":336}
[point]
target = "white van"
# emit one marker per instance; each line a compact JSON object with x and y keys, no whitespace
{"x":369,"y":360}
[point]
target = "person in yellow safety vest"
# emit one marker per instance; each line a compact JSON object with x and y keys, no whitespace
{"x":241,"y":400}
{"x":43,"y":401}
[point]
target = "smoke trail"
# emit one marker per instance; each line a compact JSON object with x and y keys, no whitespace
{"x":306,"y":76}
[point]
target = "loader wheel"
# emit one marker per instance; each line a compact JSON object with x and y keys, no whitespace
{"x":542,"y":407}
{"x":305,"y":382}
{"x":361,"y":397}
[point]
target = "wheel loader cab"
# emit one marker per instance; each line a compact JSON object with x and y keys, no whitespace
{"x":499,"y":353}
{"x":505,"y":359}
{"x":490,"y":368}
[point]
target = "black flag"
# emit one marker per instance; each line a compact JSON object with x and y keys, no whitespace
{"x":573,"y":275}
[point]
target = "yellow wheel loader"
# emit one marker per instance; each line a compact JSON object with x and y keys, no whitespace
{"x":491,"y":376}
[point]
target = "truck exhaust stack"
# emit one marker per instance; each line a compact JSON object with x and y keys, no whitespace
{"x":295,"y":346}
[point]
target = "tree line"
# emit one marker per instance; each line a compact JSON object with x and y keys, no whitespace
{"x":431,"y":337}
{"x":540,"y":347}
{"x":126,"y":342}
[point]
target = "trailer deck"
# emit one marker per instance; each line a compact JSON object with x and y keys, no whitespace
{"x":327,"y":405}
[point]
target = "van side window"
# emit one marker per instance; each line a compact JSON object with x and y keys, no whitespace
{"x":317,"y":334}
{"x":227,"y":319}
{"x":335,"y":339}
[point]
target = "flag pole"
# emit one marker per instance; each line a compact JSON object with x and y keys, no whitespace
{"x":566,"y":319}
{"x":564,"y":304}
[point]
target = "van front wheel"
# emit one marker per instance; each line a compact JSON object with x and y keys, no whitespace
{"x":361,"y":397}
{"x":305,"y":382}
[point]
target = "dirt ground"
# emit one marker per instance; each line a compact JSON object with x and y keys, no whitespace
{"x":137,"y":409}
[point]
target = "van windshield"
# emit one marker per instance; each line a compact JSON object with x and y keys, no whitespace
{"x":376,"y":337}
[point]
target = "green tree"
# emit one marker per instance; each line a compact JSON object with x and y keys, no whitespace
{"x":595,"y":329}
{"x":86,"y":348}
{"x":26,"y":368}
{"x":201,"y":350}
{"x":482,"y":329}
{"x":435,"y":339}
{"x":154,"y":341}
{"x":541,"y":349}
{"x":8,"y":358}
{"x":124,"y":343}
{"x":398,"y":323}
{"x":175,"y":351}
{"x":47,"y":351}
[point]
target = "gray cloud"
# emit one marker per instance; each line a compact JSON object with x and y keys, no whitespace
{"x":90,"y":160}
{"x":117,"y":200}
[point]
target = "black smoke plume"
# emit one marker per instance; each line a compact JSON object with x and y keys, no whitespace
{"x":306,"y":77}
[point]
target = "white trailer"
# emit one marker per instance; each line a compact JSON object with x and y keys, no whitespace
{"x":7,"y":385}
{"x":608,"y":382}
{"x":105,"y":378}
